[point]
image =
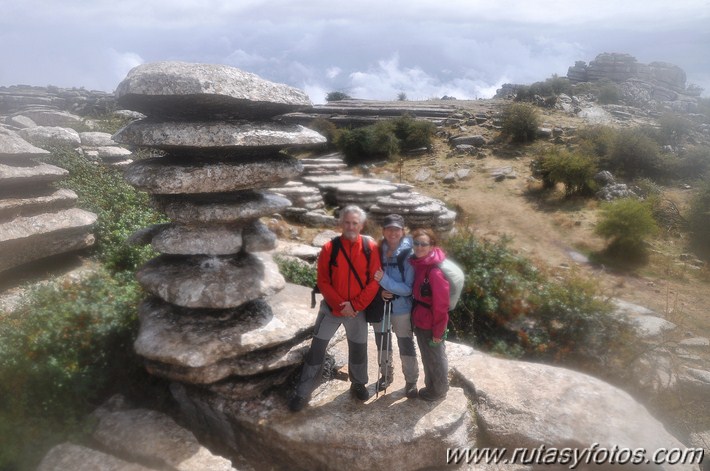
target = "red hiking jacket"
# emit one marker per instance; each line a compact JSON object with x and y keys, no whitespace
{"x":435,"y":317}
{"x":343,"y":286}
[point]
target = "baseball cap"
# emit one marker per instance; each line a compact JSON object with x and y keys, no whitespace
{"x":394,"y":220}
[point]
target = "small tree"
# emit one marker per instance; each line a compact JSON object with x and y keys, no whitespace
{"x":337,"y":96}
{"x":635,"y":154}
{"x":401,"y":96}
{"x":699,"y":219}
{"x":575,"y":171}
{"x":626,"y":223}
{"x":520,"y":122}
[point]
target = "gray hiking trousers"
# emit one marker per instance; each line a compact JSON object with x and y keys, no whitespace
{"x":326,"y":326}
{"x":402,"y":328}
{"x":435,"y":363}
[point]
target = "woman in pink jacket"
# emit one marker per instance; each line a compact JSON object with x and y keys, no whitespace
{"x":430,"y":314}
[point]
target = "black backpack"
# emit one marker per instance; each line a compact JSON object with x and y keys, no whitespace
{"x":337,"y":245}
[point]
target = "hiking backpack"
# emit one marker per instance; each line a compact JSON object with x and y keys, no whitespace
{"x":455,"y":276}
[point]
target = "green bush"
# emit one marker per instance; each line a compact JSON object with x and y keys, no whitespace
{"x":520,"y":122}
{"x":327,"y":129}
{"x":511,"y":307}
{"x":608,"y":94}
{"x":61,"y":351}
{"x":296,"y":272}
{"x":673,"y":129}
{"x":596,"y":140}
{"x":626,"y":223}
{"x":692,"y":163}
{"x":337,"y":96}
{"x":120,"y":208}
{"x":699,"y":219}
{"x":412,"y":133}
{"x":574,"y":170}
{"x":634,"y":154}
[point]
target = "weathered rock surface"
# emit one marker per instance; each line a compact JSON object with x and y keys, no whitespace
{"x":50,"y":136}
{"x":68,"y":456}
{"x":191,"y":137}
{"x":208,"y":239}
{"x":56,"y":201}
{"x":96,"y":139}
{"x":521,"y":404}
{"x":13,"y":147}
{"x":39,"y":175}
{"x":220,"y":207}
{"x":211,"y":282}
{"x":184,"y":90}
{"x":26,"y":239}
{"x":174,"y":175}
{"x":52,"y":118}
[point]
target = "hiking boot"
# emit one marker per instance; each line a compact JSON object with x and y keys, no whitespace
{"x":360,"y":391}
{"x":410,"y":389}
{"x":297,"y":403}
{"x":427,"y":395}
{"x":384,"y":382}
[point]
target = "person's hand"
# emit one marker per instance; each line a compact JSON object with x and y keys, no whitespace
{"x":347,"y":309}
{"x":379,"y":274}
{"x":435,"y":341}
{"x":387,"y":296}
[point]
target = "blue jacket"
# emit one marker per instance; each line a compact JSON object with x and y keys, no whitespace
{"x":392,"y":280}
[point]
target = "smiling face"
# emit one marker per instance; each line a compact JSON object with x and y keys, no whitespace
{"x":351,"y":225}
{"x":422,"y":246}
{"x":393,"y":235}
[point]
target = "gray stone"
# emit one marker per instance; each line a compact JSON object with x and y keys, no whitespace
{"x":51,"y":136}
{"x":647,"y":323}
{"x":153,"y":437}
{"x":68,"y":456}
{"x":27,"y":179}
{"x":53,"y":118}
{"x":184,"y":90}
{"x":173,"y":175}
{"x":15,"y":148}
{"x":20,"y":122}
{"x":210,"y":282}
{"x":96,"y":139}
{"x":26,"y":239}
{"x":473,"y":140}
{"x":301,"y":251}
{"x":696,"y":342}
{"x":237,"y":388}
{"x":521,"y":404}
{"x":113,"y":153}
{"x":220,"y":207}
{"x":258,"y":238}
{"x":322,"y":237}
{"x":145,"y":235}
{"x":56,"y":201}
{"x":205,"y":239}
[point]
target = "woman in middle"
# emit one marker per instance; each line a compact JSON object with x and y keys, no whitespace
{"x":396,"y":279}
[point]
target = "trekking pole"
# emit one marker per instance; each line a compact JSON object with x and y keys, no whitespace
{"x":388,"y":320}
{"x":379,"y":351}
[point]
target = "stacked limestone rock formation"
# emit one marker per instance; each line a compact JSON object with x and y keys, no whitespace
{"x":36,"y":220}
{"x":220,"y":311}
{"x":417,"y":210}
{"x":99,"y":146}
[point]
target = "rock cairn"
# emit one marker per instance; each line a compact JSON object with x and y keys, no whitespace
{"x":220,"y":317}
{"x":36,"y":220}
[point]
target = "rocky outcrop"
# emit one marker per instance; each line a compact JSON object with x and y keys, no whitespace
{"x":36,"y":220}
{"x":220,"y":314}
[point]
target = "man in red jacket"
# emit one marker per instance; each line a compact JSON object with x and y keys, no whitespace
{"x":347,"y":286}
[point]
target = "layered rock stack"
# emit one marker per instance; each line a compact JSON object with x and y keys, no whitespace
{"x":417,"y":210}
{"x":36,"y":220}
{"x":220,"y":317}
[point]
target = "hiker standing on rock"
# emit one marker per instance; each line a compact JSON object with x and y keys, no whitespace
{"x":347,"y":284}
{"x":430,"y":314}
{"x":396,"y":279}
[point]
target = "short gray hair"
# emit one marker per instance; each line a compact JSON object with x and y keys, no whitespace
{"x":355,"y":210}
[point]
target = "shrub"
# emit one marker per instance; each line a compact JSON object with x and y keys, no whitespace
{"x":634,"y":154}
{"x":61,"y":351}
{"x":673,"y":128}
{"x":296,"y":271}
{"x":120,"y":208}
{"x":596,"y":140}
{"x":327,"y":129}
{"x":337,"y":96}
{"x":369,"y":142}
{"x":520,"y":122}
{"x":511,"y":307}
{"x":608,"y":94}
{"x":626,"y":222}
{"x":692,"y":163}
{"x":699,"y":219}
{"x":401,"y":96}
{"x":413,"y":134}
{"x":574,"y":170}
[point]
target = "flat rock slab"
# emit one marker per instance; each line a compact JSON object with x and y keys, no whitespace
{"x":26,"y":239}
{"x":220,"y":207}
{"x":53,"y":118}
{"x":520,"y":404}
{"x":150,"y":436}
{"x":48,"y":136}
{"x":11,"y":208}
{"x":211,"y":282}
{"x":190,"y":137}
{"x":28,"y":178}
{"x":195,"y":338}
{"x":15,"y":148}
{"x":174,"y":175}
{"x":182,"y":90}
{"x":96,"y":139}
{"x":68,"y":456}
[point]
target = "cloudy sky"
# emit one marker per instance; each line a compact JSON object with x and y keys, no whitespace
{"x":373,"y":49}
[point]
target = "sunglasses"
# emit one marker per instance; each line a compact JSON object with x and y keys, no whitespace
{"x":421,"y":244}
